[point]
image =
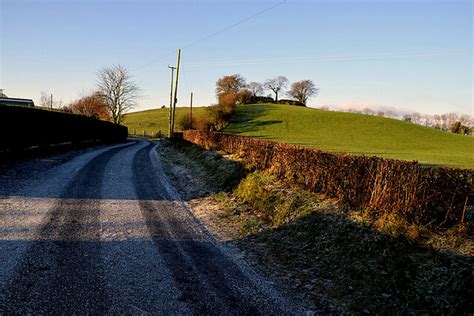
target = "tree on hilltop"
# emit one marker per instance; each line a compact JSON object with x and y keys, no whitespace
{"x":276,"y":85}
{"x":303,"y":90}
{"x":255,"y":88}
{"x":230,"y":84}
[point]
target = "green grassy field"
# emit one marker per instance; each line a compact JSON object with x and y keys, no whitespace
{"x":333,"y":131}
{"x":353,"y":133}
{"x":151,"y":121}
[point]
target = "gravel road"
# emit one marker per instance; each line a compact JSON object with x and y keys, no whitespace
{"x":102,"y":231}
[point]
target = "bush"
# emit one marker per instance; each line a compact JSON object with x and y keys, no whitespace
{"x":260,"y":99}
{"x":244,"y":97}
{"x":184,"y":123}
{"x":218,"y":118}
{"x":202,"y":123}
{"x":227,"y":103}
{"x":417,"y":193}
{"x":290,"y":102}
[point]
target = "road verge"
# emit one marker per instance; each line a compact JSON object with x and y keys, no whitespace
{"x":325,"y":252}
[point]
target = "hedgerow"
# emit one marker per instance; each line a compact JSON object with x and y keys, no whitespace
{"x":424,"y":195}
{"x":25,"y":127}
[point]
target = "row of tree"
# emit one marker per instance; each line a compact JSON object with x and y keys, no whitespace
{"x":300,"y":91}
{"x":233,"y":89}
{"x":116,"y":93}
{"x":449,"y":122}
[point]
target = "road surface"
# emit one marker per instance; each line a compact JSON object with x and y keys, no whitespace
{"x":102,"y":231}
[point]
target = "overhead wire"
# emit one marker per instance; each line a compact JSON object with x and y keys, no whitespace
{"x":204,"y":38}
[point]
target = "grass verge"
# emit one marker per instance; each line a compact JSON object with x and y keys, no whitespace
{"x":329,"y":254}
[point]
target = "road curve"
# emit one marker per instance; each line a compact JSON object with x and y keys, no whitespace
{"x":103,"y":232}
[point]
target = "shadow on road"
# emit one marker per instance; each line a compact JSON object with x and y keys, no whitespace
{"x":104,"y":232}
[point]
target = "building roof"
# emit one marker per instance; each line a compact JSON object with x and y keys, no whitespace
{"x":16,"y":100}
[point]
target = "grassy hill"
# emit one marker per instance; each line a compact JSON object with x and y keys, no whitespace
{"x":333,"y":131}
{"x":151,"y":121}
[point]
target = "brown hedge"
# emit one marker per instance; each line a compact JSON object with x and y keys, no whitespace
{"x":420,"y":194}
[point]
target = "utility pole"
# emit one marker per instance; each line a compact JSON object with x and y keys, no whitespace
{"x":175,"y":92}
{"x":191,"y":111}
{"x":51,"y":101}
{"x":171,"y":100}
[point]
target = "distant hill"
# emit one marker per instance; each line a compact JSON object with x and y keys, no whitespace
{"x":333,"y":131}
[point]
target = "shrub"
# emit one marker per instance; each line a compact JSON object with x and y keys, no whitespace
{"x":184,"y":123}
{"x":419,"y":194}
{"x":227,"y":103}
{"x":260,"y":99}
{"x":201,"y":123}
{"x":245,"y":97}
{"x":217,"y":118}
{"x":290,"y":102}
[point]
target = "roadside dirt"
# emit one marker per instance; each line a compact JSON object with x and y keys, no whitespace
{"x":332,"y":257}
{"x":189,"y":178}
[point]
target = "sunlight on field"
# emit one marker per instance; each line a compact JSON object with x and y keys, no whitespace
{"x":331,"y":131}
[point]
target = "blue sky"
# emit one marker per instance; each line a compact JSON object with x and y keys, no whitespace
{"x":407,"y":55}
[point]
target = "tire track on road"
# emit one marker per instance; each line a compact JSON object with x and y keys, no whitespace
{"x":209,"y":281}
{"x":62,"y":272}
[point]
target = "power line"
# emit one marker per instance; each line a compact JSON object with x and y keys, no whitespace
{"x":235,"y":24}
{"x":216,"y":32}
{"x":186,"y":81}
{"x":383,"y":56}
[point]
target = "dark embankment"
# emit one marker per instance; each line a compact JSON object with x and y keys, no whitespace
{"x":24,"y":129}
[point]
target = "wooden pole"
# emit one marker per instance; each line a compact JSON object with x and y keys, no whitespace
{"x":175,"y":92}
{"x":171,"y":101}
{"x":191,"y":112}
{"x":51,"y":106}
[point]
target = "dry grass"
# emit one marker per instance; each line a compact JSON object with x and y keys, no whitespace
{"x":336,"y":256}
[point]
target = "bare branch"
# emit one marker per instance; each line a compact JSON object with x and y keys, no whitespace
{"x":120,"y":93}
{"x":303,"y":90}
{"x":276,"y":85}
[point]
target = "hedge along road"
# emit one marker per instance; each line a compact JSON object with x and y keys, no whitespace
{"x":103,"y":232}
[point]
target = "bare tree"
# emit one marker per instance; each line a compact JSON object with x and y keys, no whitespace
{"x":120,"y":93}
{"x":467,"y":120}
{"x":452,"y":118}
{"x":47,"y":101}
{"x":255,"y":88}
{"x":368,"y":111}
{"x":276,"y":85}
{"x":303,"y":90}
{"x":444,"y":122}
{"x":416,"y":118}
{"x":391,"y":114}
